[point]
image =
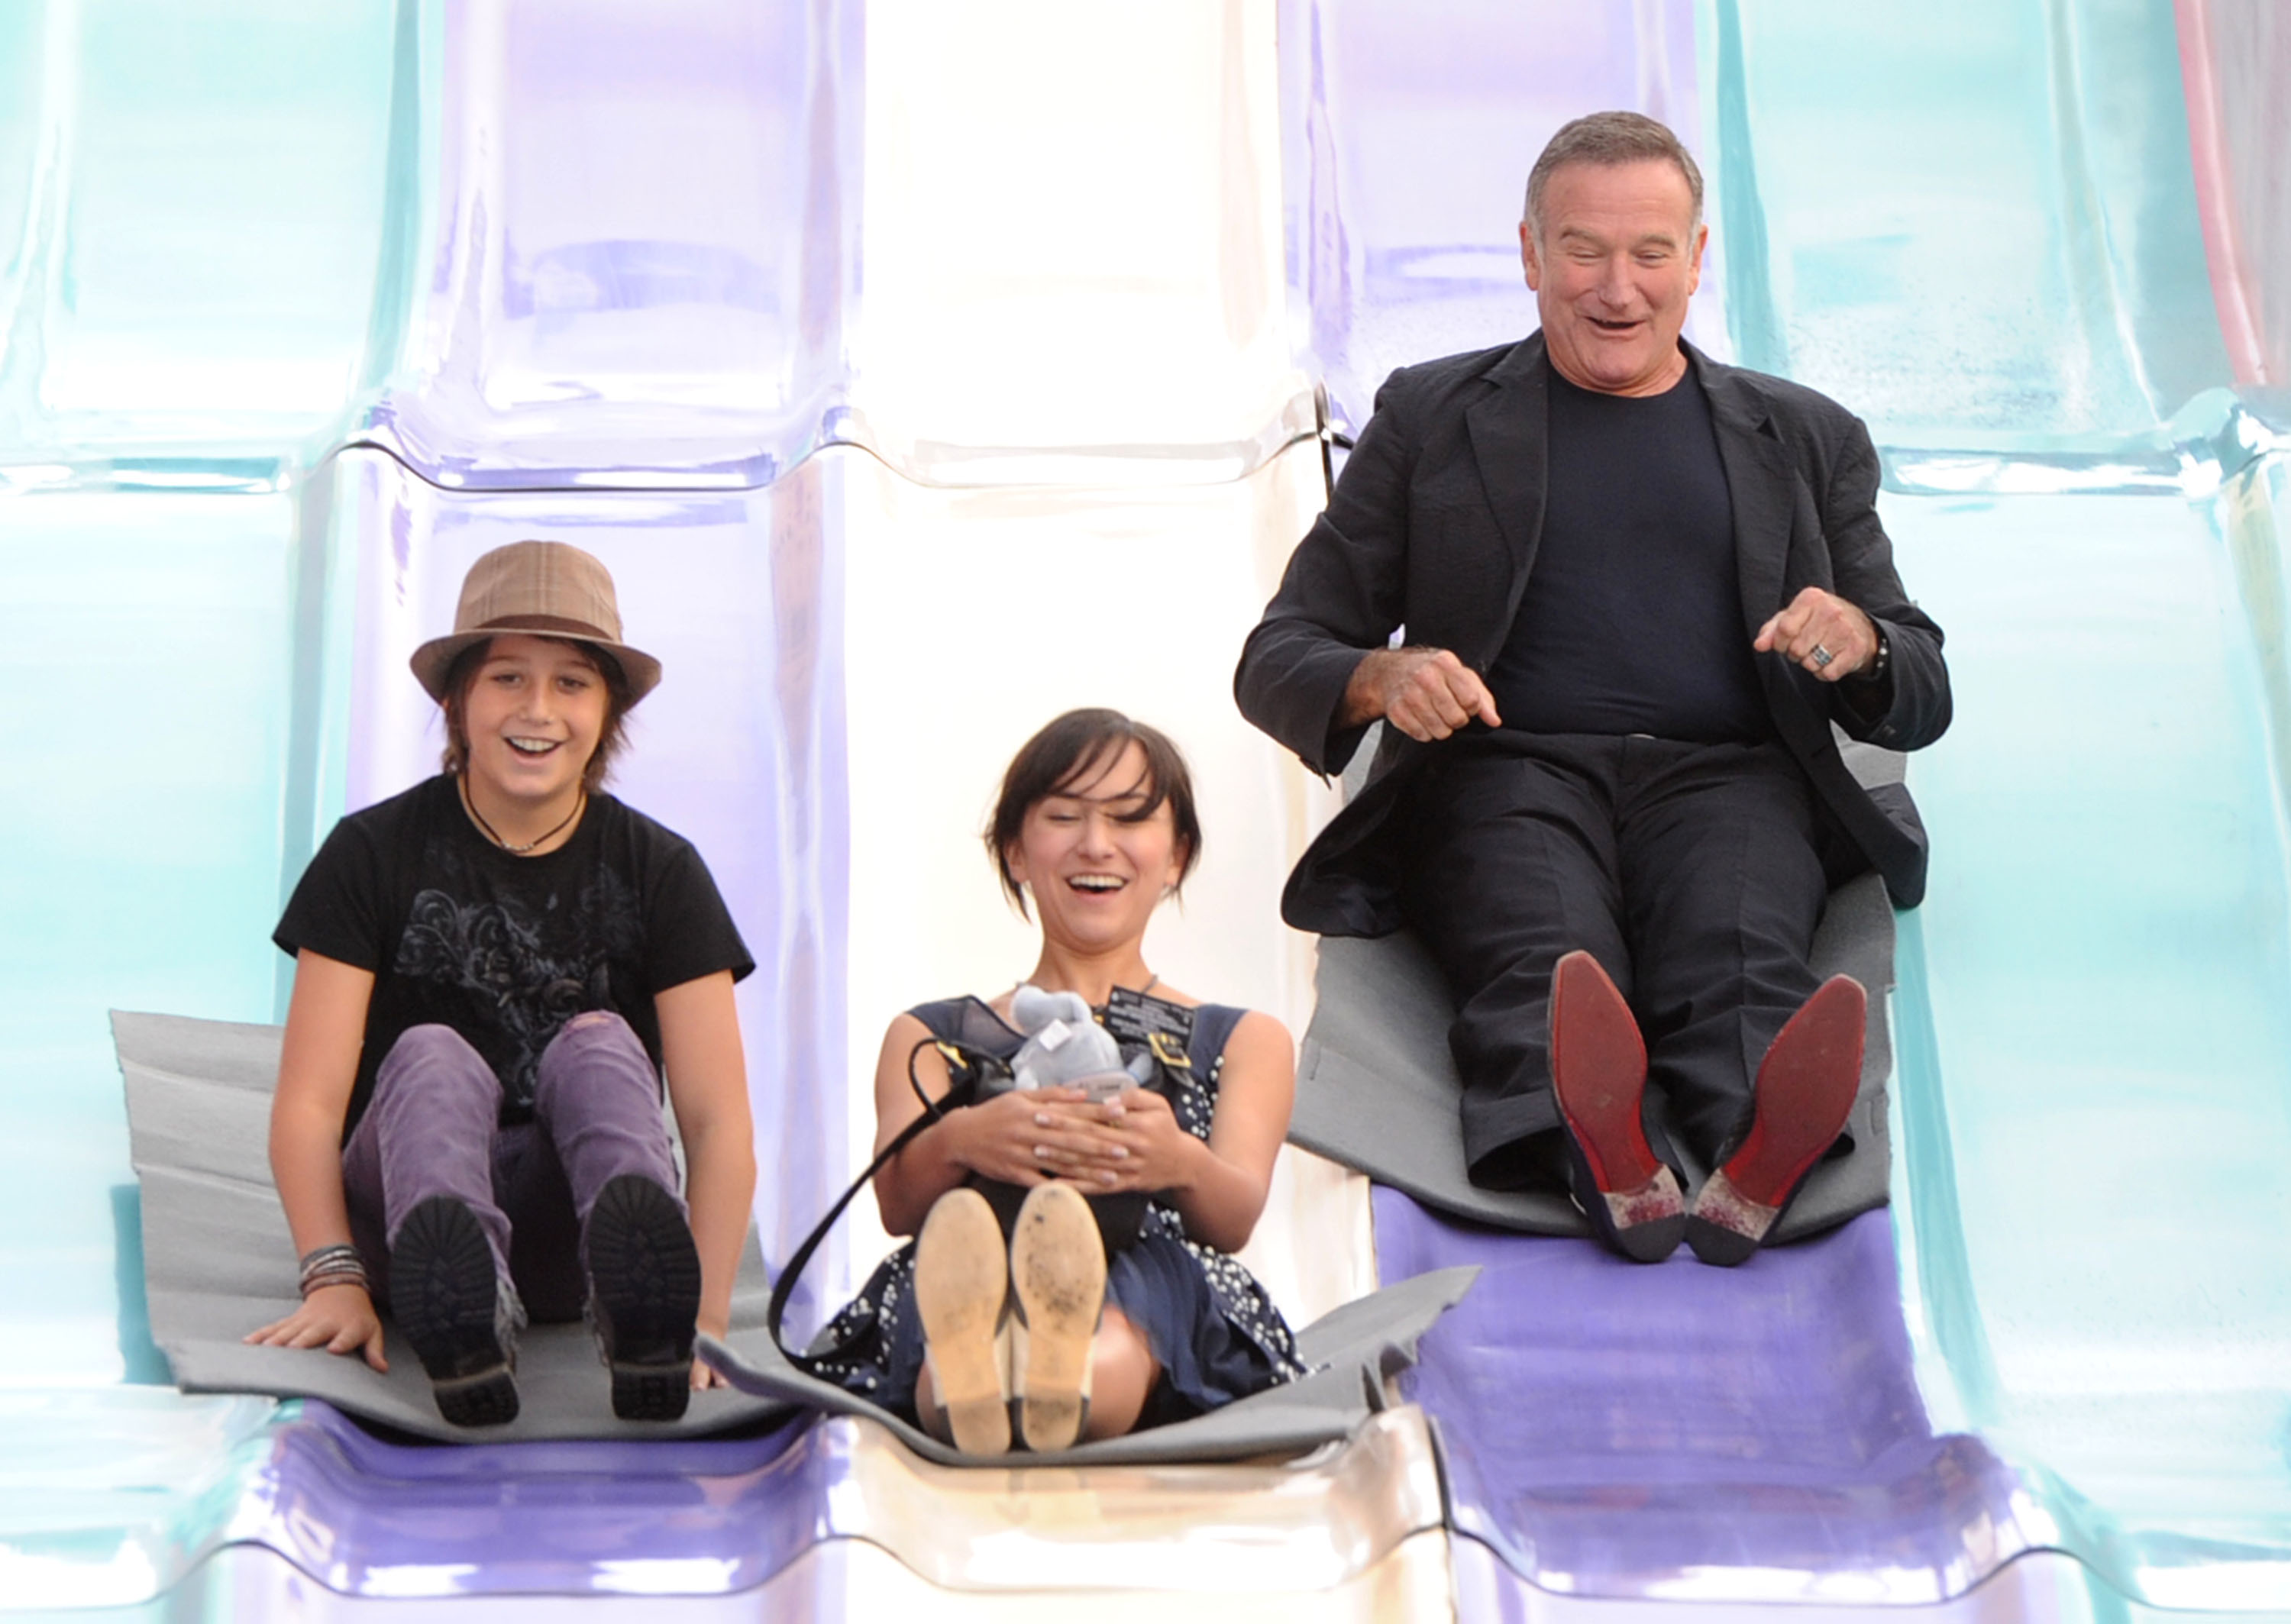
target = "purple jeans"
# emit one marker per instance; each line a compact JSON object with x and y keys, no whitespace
{"x":432,"y":1128}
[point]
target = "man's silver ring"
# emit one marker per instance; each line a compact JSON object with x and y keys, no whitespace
{"x":1821,"y":656}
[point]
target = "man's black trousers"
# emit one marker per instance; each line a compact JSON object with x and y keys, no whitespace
{"x":1689,"y":872}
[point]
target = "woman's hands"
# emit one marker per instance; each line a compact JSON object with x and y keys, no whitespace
{"x":340,"y":1319}
{"x":1130,"y":1143}
{"x":1027,"y":1137}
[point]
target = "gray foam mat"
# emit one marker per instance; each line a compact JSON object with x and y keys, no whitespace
{"x":1377,"y":1088}
{"x":1353,"y":1350}
{"x":218,"y":1260}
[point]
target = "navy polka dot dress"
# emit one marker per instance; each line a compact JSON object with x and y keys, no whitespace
{"x":1212,"y":1328}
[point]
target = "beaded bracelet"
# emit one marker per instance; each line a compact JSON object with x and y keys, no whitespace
{"x":338,"y":1264}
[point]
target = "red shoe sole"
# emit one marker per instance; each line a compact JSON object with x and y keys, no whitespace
{"x":1598,"y":1073}
{"x":1805,"y":1090}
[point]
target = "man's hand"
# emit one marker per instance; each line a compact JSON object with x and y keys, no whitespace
{"x":1426,"y":693}
{"x":1823,"y":633}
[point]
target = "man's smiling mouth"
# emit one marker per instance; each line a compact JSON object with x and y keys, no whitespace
{"x":533,"y":747}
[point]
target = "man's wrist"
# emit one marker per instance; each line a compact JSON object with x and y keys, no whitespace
{"x":1363,"y":701}
{"x":1879,"y":663}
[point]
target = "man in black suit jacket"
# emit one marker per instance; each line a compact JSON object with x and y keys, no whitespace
{"x":1638,"y":588}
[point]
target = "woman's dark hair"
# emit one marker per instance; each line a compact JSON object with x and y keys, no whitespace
{"x":1073,"y":753}
{"x":464,"y":672}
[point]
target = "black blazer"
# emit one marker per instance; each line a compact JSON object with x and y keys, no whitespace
{"x":1434,"y":526}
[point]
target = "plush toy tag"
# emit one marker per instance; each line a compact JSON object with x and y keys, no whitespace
{"x":1054,"y":1037}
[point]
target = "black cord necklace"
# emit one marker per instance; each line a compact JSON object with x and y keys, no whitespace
{"x":478,"y":818}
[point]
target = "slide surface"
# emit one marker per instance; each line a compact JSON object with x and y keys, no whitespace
{"x":921,"y":369}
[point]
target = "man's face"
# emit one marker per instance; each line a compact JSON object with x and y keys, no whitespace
{"x":1618,"y":258}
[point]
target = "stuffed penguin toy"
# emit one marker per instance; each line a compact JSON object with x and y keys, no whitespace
{"x":1066,"y":1048}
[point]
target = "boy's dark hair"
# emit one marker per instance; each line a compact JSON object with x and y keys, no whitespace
{"x":1072,"y":752}
{"x":618,"y":698}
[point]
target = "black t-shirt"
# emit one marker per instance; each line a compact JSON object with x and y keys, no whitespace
{"x":1632,"y":621}
{"x":505,"y":949}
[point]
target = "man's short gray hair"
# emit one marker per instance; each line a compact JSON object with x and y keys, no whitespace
{"x":1609,"y":139}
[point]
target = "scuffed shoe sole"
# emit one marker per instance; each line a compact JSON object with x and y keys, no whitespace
{"x":1804,"y":1092}
{"x":1598,"y":1076}
{"x":644,"y":1285}
{"x":1057,"y":1271}
{"x":961,"y":1281}
{"x":447,"y":1302}
{"x":1726,"y":1227}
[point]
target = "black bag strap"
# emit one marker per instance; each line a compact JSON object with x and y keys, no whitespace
{"x":968,"y":1068}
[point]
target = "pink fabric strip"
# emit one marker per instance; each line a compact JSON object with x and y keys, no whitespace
{"x":2215,"y":198}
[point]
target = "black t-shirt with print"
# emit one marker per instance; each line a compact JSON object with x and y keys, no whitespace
{"x":505,"y":949}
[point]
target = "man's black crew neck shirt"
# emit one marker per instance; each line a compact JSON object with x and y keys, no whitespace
{"x":1632,"y":619}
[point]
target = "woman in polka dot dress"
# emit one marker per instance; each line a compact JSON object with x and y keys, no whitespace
{"x":1034,"y":1329}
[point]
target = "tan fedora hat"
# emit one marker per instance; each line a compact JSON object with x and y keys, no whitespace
{"x":545,"y":589}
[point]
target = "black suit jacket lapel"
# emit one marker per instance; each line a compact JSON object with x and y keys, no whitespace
{"x":1761,"y":483}
{"x":1508,"y":429}
{"x":1758,"y":485}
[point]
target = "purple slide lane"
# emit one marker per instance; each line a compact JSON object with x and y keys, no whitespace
{"x":370,"y":1517}
{"x":1610,"y":1428}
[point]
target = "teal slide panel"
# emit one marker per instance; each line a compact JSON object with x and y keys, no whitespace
{"x":2096,"y":1024}
{"x":201,"y":213}
{"x":144,"y":638}
{"x":1974,"y":221}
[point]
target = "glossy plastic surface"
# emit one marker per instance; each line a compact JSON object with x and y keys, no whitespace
{"x":2235,"y":62}
{"x":147,"y":638}
{"x":1975,"y":222}
{"x":2097,"y":1088}
{"x":204,"y":218}
{"x":578,"y":318}
{"x":1409,"y":130}
{"x":545,"y":271}
{"x":1673,"y":1431}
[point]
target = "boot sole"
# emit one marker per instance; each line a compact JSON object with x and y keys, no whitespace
{"x":644,"y":1274}
{"x":1804,"y":1092}
{"x":1598,"y":1076}
{"x":446,"y":1300}
{"x":1057,"y":1269}
{"x":961,"y":1282}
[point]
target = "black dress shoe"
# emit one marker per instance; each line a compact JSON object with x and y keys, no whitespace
{"x":1598,"y":1076}
{"x":1805,"y":1091}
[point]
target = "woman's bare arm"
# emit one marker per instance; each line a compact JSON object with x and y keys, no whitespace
{"x":1010,"y":1138}
{"x":318,"y":1065}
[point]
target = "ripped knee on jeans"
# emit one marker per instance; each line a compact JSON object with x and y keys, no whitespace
{"x":592,"y":1018}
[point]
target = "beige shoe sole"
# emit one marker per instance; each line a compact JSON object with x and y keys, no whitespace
{"x":961,"y":1282}
{"x":1057,"y":1269}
